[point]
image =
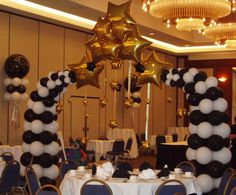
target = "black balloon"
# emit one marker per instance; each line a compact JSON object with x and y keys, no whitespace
{"x":133,"y":84}
{"x":91,"y":66}
{"x":53,"y":93}
{"x":46,"y":180}
{"x":139,"y":67}
{"x":30,"y":115}
{"x":26,"y":158}
{"x":196,"y":117}
{"x":201,"y":76}
{"x":215,"y":143}
{"x":45,"y":160}
{"x":180,"y":83}
{"x":225,"y":117}
{"x":189,"y":88}
{"x":55,"y":160}
{"x":215,"y":117}
{"x":172,"y":83}
{"x":46,"y":117}
{"x":29,"y":137}
{"x":16,"y":66}
{"x":48,"y":102}
{"x":195,"y":142}
{"x":54,"y":76}
{"x":21,"y":89}
{"x":59,"y":89}
{"x":194,"y":99}
{"x":200,"y":169}
{"x":215,"y":169}
{"x":11,"y":88}
{"x":62,"y":77}
{"x":43,"y":81}
{"x":226,"y":142}
{"x":182,"y":72}
{"x":35,"y":96}
{"x":54,"y":137}
{"x":175,"y":71}
{"x":137,"y":100}
{"x":72,"y":76}
{"x":45,"y":137}
{"x":164,"y":74}
{"x":213,"y":93}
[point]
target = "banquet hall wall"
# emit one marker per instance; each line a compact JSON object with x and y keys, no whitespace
{"x":50,"y":48}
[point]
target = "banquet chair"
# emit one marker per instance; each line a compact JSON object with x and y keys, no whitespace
{"x":225,"y":178}
{"x":125,"y":166}
{"x":171,"y":187}
{"x":66,"y":165}
{"x":117,"y":150}
{"x":233,"y":191}
{"x":187,"y":166}
{"x":95,"y":186}
{"x":230,"y":184}
{"x":42,"y":191}
{"x":7,"y":156}
{"x":128,"y":148}
{"x":175,"y":137}
{"x":9,"y":177}
{"x":160,"y":139}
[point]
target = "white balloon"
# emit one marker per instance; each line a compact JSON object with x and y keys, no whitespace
{"x":38,"y":108}
{"x":58,"y":82}
{"x":22,"y":170}
{"x":192,"y":108}
{"x":67,"y":80}
{"x":43,"y":92}
{"x":169,"y":76}
{"x":167,"y":82}
{"x":224,"y":155}
{"x":176,"y":77}
{"x":16,"y":81}
{"x":27,"y":126}
{"x":206,"y":106}
{"x":60,"y":73}
{"x":38,"y":85}
{"x":36,"y":148}
{"x":51,"y":109}
{"x":192,"y":128}
{"x":66,"y":73}
{"x":212,"y":82}
{"x":57,"y":98}
{"x":7,"y":96}
{"x":205,"y":182}
{"x":204,"y":155}
{"x":24,"y":82}
{"x":136,"y":94}
{"x":52,"y":148}
{"x":220,"y":104}
{"x":30,"y":104}
{"x":7,"y":81}
{"x":193,"y":71}
{"x":200,"y":87}
{"x":222,"y":130}
{"x":191,"y":154}
{"x":50,"y":74}
{"x":135,"y":105}
{"x":23,"y":96}
{"x":51,"y":127}
{"x":51,"y":84}
{"x":204,"y":130}
{"x":51,"y":172}
{"x":64,"y":90}
{"x":217,"y":182}
{"x":25,"y":147}
{"x":37,"y":126}
{"x":38,"y":170}
{"x":15,"y":96}
{"x":188,"y":77}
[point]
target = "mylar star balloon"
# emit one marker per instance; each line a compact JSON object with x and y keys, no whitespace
{"x":84,"y":75}
{"x":95,"y":49}
{"x":110,"y":50}
{"x":102,"y":28}
{"x":115,"y":86}
{"x":153,"y":69}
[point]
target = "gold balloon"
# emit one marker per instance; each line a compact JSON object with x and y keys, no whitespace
{"x":113,"y":123}
{"x":103,"y":102}
{"x":103,"y":28}
{"x":95,"y":48}
{"x":59,"y":108}
{"x":116,"y":65}
{"x":133,"y":47}
{"x":110,"y":50}
{"x":115,"y":86}
{"x":181,"y":112}
{"x":128,"y":103}
{"x":83,"y":75}
{"x":153,"y":69}
{"x":84,"y":140}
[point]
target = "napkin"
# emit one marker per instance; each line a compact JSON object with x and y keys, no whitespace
{"x":147,"y":174}
{"x":105,"y":170}
{"x":145,"y":165}
{"x":121,"y":173}
{"x":164,"y":172}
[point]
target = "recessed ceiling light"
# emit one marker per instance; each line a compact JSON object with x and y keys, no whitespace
{"x":151,"y":33}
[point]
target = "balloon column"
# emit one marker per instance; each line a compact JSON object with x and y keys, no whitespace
{"x":16,"y":67}
{"x":40,"y":146}
{"x":208,"y":141}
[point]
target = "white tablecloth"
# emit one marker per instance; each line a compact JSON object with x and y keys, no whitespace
{"x":15,"y":150}
{"x":181,"y":132}
{"x":113,"y":134}
{"x":2,"y":166}
{"x":100,"y":147}
{"x":72,"y":186}
{"x":168,"y":138}
{"x":184,"y":143}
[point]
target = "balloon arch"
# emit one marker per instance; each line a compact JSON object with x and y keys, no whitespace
{"x":208,"y":141}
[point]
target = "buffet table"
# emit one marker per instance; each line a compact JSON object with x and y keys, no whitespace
{"x":171,"y":154}
{"x":15,"y":150}
{"x":113,"y":134}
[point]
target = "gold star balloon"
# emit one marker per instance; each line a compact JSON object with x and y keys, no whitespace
{"x":95,"y":48}
{"x":110,"y":50}
{"x":86,"y":72}
{"x":102,"y":28}
{"x":153,"y":69}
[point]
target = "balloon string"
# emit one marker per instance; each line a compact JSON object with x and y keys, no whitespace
{"x":60,"y":136}
{"x":15,"y":119}
{"x":115,"y":94}
{"x":147,"y":111}
{"x":129,"y":79}
{"x":132,"y":124}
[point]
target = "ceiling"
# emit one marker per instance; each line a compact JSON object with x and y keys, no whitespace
{"x":92,"y":9}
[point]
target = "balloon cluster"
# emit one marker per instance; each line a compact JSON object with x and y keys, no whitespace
{"x":208,"y":141}
{"x":40,"y":146}
{"x":16,"y":67}
{"x":134,"y":100}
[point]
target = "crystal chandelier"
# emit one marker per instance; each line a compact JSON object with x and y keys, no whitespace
{"x":224,"y":30}
{"x":188,"y":14}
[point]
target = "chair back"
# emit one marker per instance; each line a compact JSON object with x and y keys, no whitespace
{"x":7,"y":156}
{"x":129,"y":144}
{"x":171,"y":187}
{"x":138,"y":140}
{"x":187,"y":166}
{"x":160,"y":139}
{"x":95,"y":186}
{"x":225,"y":178}
{"x":32,"y":180}
{"x":67,"y":165}
{"x":44,"y":190}
{"x":10,"y":175}
{"x":230,"y":184}
{"x":175,"y":137}
{"x":233,"y":191}
{"x":118,"y":146}
{"x":125,"y":166}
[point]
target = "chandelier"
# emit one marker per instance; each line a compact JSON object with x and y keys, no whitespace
{"x":224,"y":30}
{"x":188,"y":14}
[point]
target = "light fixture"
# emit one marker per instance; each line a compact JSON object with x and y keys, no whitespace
{"x":224,"y":31}
{"x":188,"y":14}
{"x":222,"y":79}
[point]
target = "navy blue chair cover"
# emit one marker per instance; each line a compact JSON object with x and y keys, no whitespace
{"x":230,"y":184}
{"x":117,"y":149}
{"x":91,"y":189}
{"x":66,"y":166}
{"x":32,"y":180}
{"x":121,"y":173}
{"x":128,"y":147}
{"x":54,"y":190}
{"x":171,"y":187}
{"x":7,"y":156}
{"x":175,"y":137}
{"x":160,"y":139}
{"x":187,"y":166}
{"x":9,"y":176}
{"x":125,"y":166}
{"x":233,"y":192}
{"x":225,"y":178}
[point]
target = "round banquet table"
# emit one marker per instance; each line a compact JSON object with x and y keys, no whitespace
{"x":171,"y":154}
{"x":2,"y":166}
{"x":15,"y":150}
